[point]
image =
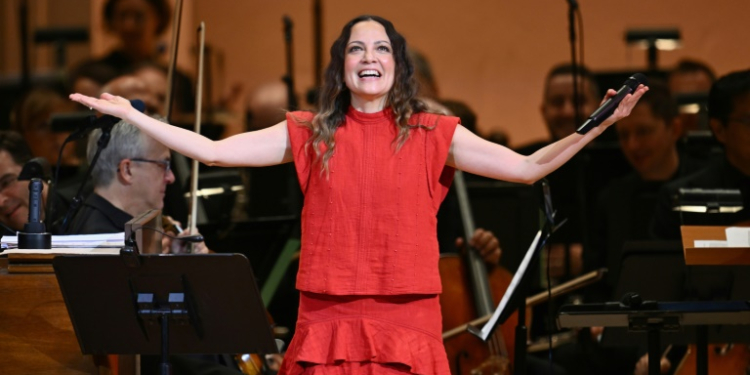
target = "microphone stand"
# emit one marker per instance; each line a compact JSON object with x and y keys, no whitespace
{"x":289,"y":76}
{"x":78,"y":134}
{"x":291,"y":185}
{"x":78,"y":198}
{"x":572,"y":8}
{"x":23,"y":16}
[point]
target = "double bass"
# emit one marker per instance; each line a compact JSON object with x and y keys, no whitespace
{"x":472,"y":290}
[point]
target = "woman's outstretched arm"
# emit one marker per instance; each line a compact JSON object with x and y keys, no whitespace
{"x":265,"y":147}
{"x":475,"y":155}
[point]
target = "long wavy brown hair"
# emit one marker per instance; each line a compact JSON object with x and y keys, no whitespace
{"x":335,"y":97}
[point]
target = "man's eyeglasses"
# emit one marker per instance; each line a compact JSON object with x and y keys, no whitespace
{"x":164,"y":164}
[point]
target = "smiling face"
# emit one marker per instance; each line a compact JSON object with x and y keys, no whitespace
{"x":558,"y":108}
{"x":14,"y":194}
{"x":136,"y":23}
{"x":369,"y":66}
{"x":648,"y":143}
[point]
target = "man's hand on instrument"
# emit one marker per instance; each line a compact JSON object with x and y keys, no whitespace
{"x":108,"y":104}
{"x":170,"y":245}
{"x":487,"y":245}
{"x":641,"y":368}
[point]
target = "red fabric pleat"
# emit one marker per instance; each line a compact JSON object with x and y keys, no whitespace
{"x":367,"y":335}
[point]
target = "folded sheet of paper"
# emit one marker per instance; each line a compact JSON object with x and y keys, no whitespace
{"x":736,"y":237}
{"x":710,"y":243}
{"x":104,"y":240}
{"x":65,"y":251}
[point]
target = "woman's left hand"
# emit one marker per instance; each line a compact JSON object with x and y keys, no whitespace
{"x":625,"y":106}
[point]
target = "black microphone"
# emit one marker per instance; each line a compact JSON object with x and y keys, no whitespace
{"x":34,"y":234}
{"x":609,"y":106}
{"x":103,"y":121}
{"x":37,"y":167}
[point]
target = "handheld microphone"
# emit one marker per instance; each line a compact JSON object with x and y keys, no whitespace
{"x":104,"y":121}
{"x":609,"y":106}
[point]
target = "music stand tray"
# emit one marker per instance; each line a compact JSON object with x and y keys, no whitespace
{"x":655,"y":317}
{"x":711,"y":255}
{"x":214,"y":304}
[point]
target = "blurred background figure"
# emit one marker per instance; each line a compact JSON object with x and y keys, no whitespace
{"x":729,"y":112}
{"x":689,"y":82}
{"x":648,"y":138}
{"x":557,"y":107}
{"x":691,"y":76}
{"x":32,"y":119}
{"x":14,"y":193}
{"x":138,"y":26}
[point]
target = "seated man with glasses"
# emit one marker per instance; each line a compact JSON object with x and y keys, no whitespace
{"x":130,"y":177}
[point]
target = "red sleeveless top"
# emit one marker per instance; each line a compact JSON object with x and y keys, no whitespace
{"x":370,"y":226}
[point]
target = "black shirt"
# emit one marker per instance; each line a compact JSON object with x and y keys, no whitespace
{"x":98,"y":215}
{"x":718,"y":175}
{"x":624,"y":212}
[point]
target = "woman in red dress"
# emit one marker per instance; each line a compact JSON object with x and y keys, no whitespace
{"x":374,"y":167}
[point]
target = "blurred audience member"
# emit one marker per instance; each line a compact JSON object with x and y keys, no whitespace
{"x":729,"y":116}
{"x":566,"y":184}
{"x":689,"y":82}
{"x":138,"y":25}
{"x":690,"y":76}
{"x":133,"y":87}
{"x":14,"y":194}
{"x":558,"y":108}
{"x":648,"y":138}
{"x":32,"y":120}
{"x":267,"y":104}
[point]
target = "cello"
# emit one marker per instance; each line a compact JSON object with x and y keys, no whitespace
{"x":470,"y":291}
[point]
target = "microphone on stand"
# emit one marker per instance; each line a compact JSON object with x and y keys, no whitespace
{"x":34,"y":234}
{"x":609,"y":106}
{"x":37,"y":167}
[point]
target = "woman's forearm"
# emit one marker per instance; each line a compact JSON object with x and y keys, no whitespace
{"x":184,"y":141}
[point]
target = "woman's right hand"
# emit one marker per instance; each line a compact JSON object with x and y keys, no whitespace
{"x":108,"y":104}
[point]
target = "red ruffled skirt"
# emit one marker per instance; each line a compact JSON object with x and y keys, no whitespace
{"x":367,"y":335}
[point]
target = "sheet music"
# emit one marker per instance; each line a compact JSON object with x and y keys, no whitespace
{"x":738,"y":237}
{"x":103,"y":240}
{"x":487,"y":328}
{"x":709,"y":243}
{"x":66,"y":251}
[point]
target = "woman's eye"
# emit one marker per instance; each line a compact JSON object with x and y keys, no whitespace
{"x":384,"y":48}
{"x":355,"y":48}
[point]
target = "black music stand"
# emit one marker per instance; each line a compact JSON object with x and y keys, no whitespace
{"x":514,"y":298}
{"x":164,"y":304}
{"x":655,"y":317}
